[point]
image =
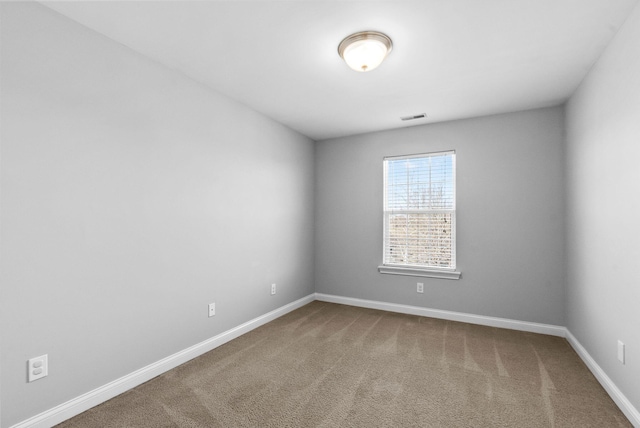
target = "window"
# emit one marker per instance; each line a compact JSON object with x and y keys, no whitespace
{"x":420,"y":215}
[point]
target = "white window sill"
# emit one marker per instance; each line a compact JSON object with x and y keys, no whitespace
{"x":413,"y":271}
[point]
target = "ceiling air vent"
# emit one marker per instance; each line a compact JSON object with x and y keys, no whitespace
{"x":414,"y":117}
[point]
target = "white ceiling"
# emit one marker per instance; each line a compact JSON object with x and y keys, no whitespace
{"x":452,"y":59}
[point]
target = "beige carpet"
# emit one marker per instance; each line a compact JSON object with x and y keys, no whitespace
{"x":328,"y":365}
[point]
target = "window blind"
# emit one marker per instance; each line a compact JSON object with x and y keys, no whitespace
{"x":419,"y":211}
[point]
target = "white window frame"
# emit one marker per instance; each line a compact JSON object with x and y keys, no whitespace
{"x":416,"y":269}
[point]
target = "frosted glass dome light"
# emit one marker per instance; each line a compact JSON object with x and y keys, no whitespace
{"x":365,"y":50}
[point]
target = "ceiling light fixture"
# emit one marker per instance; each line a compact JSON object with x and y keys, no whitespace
{"x":365,"y":50}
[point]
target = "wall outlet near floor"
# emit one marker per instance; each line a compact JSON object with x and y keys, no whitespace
{"x":273,"y":289}
{"x":38,"y":367}
{"x":212,"y":309}
{"x":420,"y":288}
{"x":621,"y":351}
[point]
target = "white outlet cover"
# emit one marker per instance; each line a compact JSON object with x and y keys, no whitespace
{"x":621,"y":351}
{"x":212,"y":309}
{"x":273,"y":289}
{"x":420,"y":288}
{"x":38,"y":367}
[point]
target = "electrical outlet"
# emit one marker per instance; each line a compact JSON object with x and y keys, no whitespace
{"x":212,"y":309}
{"x":621,"y":351}
{"x":273,"y":289}
{"x":420,"y":287}
{"x":38,"y":367}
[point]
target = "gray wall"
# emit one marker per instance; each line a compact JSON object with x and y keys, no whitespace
{"x":603,"y":209}
{"x":131,"y":198}
{"x":509,"y":218}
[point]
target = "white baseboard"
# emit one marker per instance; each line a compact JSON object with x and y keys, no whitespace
{"x":99,"y":395}
{"x":616,"y":395}
{"x":552,"y":330}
